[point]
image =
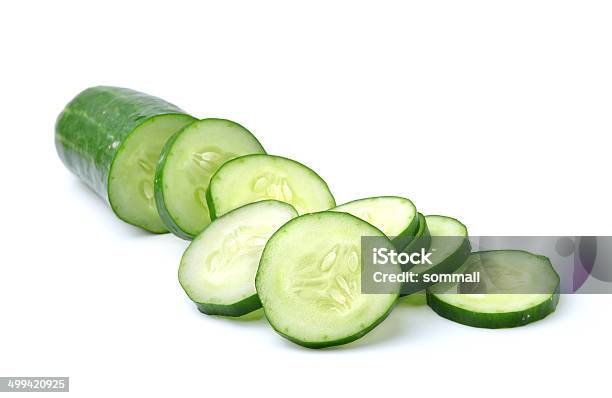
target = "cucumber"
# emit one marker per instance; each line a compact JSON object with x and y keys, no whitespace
{"x":449,"y":246}
{"x":422,"y":237}
{"x":111,"y":138}
{"x":309,"y":281}
{"x":396,"y":217}
{"x":218,"y":268}
{"x":188,"y":161}
{"x":520,"y":287}
{"x":252,"y":178}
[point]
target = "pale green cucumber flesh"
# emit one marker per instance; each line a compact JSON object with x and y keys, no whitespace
{"x":218,"y":268}
{"x":521,"y":288}
{"x":309,"y":281}
{"x":188,"y":161}
{"x":252,"y":178}
{"x":395,"y":216}
{"x":131,"y":177}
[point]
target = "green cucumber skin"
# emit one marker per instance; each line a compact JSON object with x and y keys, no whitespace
{"x":402,"y":240}
{"x":159,"y":191}
{"x":91,"y":129}
{"x":240,"y":308}
{"x":421,"y":238}
{"x":346,"y":340}
{"x":164,"y":214}
{"x":211,"y":204}
{"x":493,"y":320}
{"x":448,"y":266}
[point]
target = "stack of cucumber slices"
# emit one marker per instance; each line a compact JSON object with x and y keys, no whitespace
{"x":266,"y":231}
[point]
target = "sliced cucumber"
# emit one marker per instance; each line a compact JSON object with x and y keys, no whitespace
{"x":393,"y":215}
{"x":449,"y":247}
{"x":218,"y":268}
{"x":111,"y":138}
{"x":309,"y":281}
{"x":188,"y":161}
{"x":252,"y":178}
{"x":508,"y":277}
{"x":421,"y":238}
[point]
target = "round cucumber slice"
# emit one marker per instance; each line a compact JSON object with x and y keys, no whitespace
{"x":131,"y":176}
{"x":252,"y":178}
{"x":396,"y":217}
{"x":187,"y":163}
{"x":309,"y":281}
{"x":449,"y":247}
{"x":218,"y":268}
{"x":505,"y":277}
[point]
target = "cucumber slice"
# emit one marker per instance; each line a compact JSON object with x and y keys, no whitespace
{"x":309,"y":281}
{"x":252,"y":178}
{"x":188,"y":161}
{"x":111,"y":138}
{"x":396,"y":217}
{"x":450,"y":248}
{"x":218,"y":268}
{"x":504,"y":275}
{"x":422,"y":237}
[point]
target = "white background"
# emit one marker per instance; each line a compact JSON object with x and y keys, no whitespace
{"x":494,"y":112}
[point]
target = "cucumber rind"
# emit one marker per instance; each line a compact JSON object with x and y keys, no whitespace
{"x":447,"y":266}
{"x":402,"y":239}
{"x":158,"y":182}
{"x":240,"y":308}
{"x":160,"y":201}
{"x":211,"y":204}
{"x":421,"y":238}
{"x":327,"y":343}
{"x":493,"y":320}
{"x":209,"y":192}
{"x":496,"y":320}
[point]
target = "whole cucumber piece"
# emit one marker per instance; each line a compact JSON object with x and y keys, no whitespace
{"x":111,"y":138}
